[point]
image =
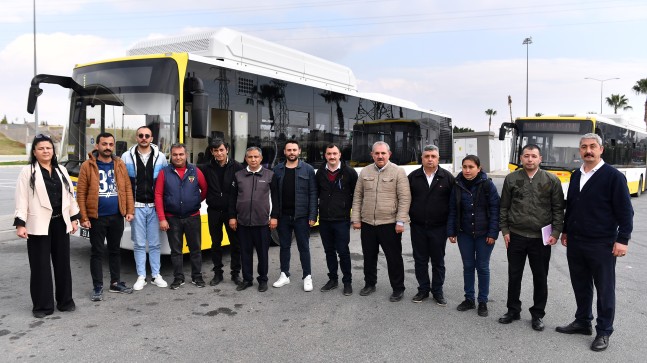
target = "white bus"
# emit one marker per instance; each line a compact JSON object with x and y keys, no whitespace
{"x":244,"y":90}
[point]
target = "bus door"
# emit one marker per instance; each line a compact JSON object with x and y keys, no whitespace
{"x":239,"y":135}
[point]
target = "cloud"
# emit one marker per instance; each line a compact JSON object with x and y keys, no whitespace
{"x":56,"y":54}
{"x":466,"y":90}
{"x":23,"y":11}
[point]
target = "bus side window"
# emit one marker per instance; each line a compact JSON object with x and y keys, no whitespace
{"x":121,"y":147}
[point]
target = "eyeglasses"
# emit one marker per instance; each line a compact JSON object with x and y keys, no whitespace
{"x":144,"y":136}
{"x":42,"y":136}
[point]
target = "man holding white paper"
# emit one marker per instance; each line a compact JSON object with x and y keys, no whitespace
{"x":532,"y":203}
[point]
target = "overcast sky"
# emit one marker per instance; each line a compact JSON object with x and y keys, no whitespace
{"x":458,"y":57}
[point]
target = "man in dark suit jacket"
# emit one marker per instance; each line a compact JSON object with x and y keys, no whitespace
{"x":597,"y":228}
{"x":431,"y":188}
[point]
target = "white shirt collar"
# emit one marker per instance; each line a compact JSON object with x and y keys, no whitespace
{"x":594,"y":168}
{"x":337,"y":168}
{"x":384,"y":167}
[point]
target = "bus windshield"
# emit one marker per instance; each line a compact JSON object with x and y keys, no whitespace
{"x":403,"y":138}
{"x":119,"y":97}
{"x":558,"y":141}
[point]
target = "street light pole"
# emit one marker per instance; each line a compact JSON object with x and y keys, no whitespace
{"x":35,"y":72}
{"x":527,"y":43}
{"x":601,"y":87}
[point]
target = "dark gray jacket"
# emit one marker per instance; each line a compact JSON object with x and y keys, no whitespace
{"x":254,"y":197}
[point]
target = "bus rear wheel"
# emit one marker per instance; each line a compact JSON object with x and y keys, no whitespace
{"x":640,"y":188}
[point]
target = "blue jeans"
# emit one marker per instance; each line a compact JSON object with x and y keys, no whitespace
{"x":146,"y":228}
{"x":301,"y":229}
{"x":476,"y":256}
{"x":335,"y":237}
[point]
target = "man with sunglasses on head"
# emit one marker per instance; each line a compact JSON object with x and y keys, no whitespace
{"x":144,"y":162}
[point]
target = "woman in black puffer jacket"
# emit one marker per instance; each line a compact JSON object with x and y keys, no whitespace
{"x":474,"y":222}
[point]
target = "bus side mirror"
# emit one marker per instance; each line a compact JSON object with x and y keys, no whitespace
{"x":504,"y":129}
{"x":77,"y":111}
{"x":199,"y":115}
{"x":502,"y":132}
{"x":34,"y":92}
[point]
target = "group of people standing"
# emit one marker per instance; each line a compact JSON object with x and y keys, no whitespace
{"x":250,"y":201}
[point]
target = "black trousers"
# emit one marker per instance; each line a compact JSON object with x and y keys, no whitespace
{"x":56,"y":245}
{"x":591,"y":263}
{"x":429,"y":243}
{"x":335,"y":237}
{"x":108,"y":229}
{"x":539,"y":259}
{"x":189,"y":227}
{"x":385,"y":236}
{"x":254,"y":237}
{"x":216,"y":220}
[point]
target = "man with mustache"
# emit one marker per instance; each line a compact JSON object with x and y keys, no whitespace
{"x":179,"y":191}
{"x":336,"y":184}
{"x":597,"y":228}
{"x":380,"y":209}
{"x":431,"y":188}
{"x":105,"y":197}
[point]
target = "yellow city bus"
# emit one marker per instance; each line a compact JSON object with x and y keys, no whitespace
{"x":228,"y":85}
{"x":625,"y":146}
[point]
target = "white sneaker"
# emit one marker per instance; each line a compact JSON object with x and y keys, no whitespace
{"x":158,"y":281}
{"x":282,"y":281}
{"x":307,"y":283}
{"x":140,"y":283}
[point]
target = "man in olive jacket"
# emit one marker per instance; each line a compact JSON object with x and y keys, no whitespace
{"x":530,"y":200}
{"x":380,"y":209}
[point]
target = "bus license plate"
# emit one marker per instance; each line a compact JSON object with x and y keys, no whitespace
{"x":84,"y":232}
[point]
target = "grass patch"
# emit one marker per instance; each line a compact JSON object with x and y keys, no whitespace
{"x":11,"y":147}
{"x":13,"y":163}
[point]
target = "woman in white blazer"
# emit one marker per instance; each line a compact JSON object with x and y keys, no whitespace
{"x":46,"y":212}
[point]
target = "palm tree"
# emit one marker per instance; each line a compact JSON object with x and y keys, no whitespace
{"x":336,"y":98}
{"x":618,"y":101}
{"x":490,"y":112}
{"x":641,"y":88}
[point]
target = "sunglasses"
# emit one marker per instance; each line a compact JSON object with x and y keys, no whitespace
{"x":42,"y":136}
{"x":144,"y":136}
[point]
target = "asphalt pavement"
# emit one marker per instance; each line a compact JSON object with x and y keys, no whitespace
{"x":288,"y":324}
